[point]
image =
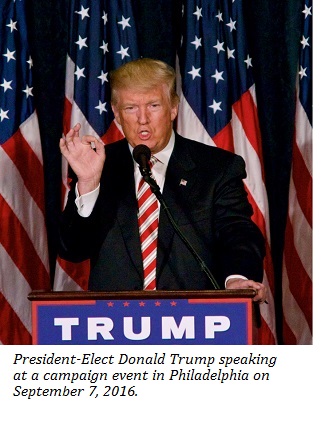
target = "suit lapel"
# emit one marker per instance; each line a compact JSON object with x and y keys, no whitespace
{"x":127,"y":209}
{"x":180,"y":180}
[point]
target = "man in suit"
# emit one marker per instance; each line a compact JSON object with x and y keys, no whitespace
{"x":201,"y":185}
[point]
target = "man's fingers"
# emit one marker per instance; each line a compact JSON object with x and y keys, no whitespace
{"x":89,"y":140}
{"x":63,"y":146}
{"x":260,"y":297}
{"x":99,"y":147}
{"x":76,"y":129}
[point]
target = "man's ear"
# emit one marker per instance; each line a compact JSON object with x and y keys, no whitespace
{"x":174,"y":112}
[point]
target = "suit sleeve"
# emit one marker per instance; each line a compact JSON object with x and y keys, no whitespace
{"x":77,"y":235}
{"x":240,"y":243}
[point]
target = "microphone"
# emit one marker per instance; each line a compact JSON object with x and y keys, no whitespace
{"x":142,"y":155}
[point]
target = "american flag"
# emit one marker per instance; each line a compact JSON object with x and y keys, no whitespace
{"x":218,"y":107}
{"x":297,"y":265}
{"x":102,"y":36}
{"x":23,"y":240}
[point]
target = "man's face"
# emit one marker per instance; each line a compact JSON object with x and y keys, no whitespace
{"x":145,"y":117}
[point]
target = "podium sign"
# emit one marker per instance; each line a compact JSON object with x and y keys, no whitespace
{"x":128,"y":319}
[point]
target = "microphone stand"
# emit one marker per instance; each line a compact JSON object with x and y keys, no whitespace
{"x":156,"y":190}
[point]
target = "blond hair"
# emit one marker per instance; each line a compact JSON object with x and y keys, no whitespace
{"x":143,"y":75}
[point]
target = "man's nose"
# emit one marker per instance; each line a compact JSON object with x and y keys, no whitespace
{"x":142,"y":115}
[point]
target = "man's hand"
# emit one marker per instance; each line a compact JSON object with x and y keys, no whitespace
{"x":86,"y":157}
{"x":237,"y":283}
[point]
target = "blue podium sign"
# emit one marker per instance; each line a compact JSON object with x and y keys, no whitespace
{"x":145,"y":320}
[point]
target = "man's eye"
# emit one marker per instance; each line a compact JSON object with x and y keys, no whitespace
{"x":154,"y":107}
{"x":130,"y":109}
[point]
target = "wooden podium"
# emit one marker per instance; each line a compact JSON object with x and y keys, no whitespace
{"x":144,"y":318}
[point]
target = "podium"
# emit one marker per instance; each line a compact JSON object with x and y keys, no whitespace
{"x":143,"y":318}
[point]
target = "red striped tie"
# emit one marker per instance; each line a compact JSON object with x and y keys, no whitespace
{"x":148,"y":219}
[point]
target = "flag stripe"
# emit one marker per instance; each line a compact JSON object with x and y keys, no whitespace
{"x":302,"y":243}
{"x":114,"y":133}
{"x":224,"y":138}
{"x":72,"y":276}
{"x":297,"y":263}
{"x":246,"y":111}
{"x":296,"y":326}
{"x":302,"y":177}
{"x":16,"y":289}
{"x":300,"y":282}
{"x":254,"y":180}
{"x":23,"y":253}
{"x":24,"y":158}
{"x":13,"y":191}
{"x":12,"y":328}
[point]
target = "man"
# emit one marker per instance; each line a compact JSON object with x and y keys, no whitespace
{"x":201,"y":185}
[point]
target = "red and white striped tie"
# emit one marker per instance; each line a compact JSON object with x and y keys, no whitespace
{"x":148,"y":220}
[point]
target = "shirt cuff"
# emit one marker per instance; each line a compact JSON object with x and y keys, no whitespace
{"x":85,"y":203}
{"x":234,"y":277}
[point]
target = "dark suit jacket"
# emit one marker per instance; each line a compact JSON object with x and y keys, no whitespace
{"x":211,"y":209}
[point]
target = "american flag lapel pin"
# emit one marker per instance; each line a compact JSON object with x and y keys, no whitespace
{"x":183,"y":182}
